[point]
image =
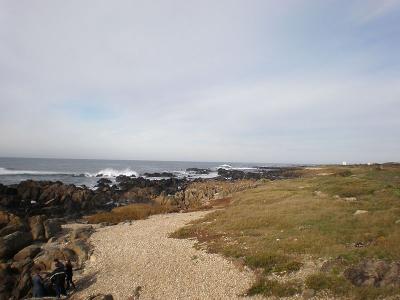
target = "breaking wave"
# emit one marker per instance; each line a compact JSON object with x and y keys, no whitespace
{"x":5,"y":171}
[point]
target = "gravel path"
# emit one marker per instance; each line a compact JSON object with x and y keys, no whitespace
{"x":141,"y":254}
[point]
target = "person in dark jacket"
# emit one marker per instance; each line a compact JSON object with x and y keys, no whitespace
{"x":37,"y":285}
{"x":57,"y":278}
{"x":69,"y":274}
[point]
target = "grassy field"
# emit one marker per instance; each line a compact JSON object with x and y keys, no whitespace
{"x":281,"y":228}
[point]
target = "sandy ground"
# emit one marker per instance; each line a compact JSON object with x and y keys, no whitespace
{"x":127,"y":256}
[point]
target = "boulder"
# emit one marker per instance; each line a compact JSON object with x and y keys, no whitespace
{"x":9,"y":219}
{"x":46,"y":259}
{"x":81,"y":248}
{"x":377,"y":273}
{"x":12,"y":228}
{"x":37,"y":227}
{"x":14,"y":242}
{"x":52,"y":227}
{"x":28,"y":252}
{"x":24,"y":283}
{"x":83,"y":232}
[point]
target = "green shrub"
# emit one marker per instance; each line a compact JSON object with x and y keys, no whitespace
{"x":275,"y":288}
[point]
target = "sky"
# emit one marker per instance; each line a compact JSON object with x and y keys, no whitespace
{"x":294,"y":81}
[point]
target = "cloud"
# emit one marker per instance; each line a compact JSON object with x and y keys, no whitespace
{"x":189,"y":80}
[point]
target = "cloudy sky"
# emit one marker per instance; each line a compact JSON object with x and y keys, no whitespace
{"x":220,"y":80}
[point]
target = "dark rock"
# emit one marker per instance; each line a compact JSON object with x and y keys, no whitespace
{"x":198,"y":171}
{"x":12,"y":228}
{"x":376,"y":273}
{"x":28,"y":252}
{"x":104,"y":182}
{"x":52,"y":227}
{"x":14,"y":242}
{"x":162,"y":174}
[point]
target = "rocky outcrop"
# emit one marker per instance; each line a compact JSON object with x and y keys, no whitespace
{"x":258,"y":173}
{"x":198,"y":171}
{"x":200,"y":193}
{"x":14,"y":242}
{"x":377,"y":273}
{"x":28,"y":252}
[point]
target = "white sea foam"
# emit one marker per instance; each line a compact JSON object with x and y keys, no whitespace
{"x":110,"y":172}
{"x":226,"y":167}
{"x":5,"y":171}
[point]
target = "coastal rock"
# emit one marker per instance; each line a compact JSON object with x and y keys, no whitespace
{"x":14,"y":242}
{"x":198,"y":171}
{"x":83,"y":232}
{"x":28,"y":252}
{"x":162,"y":174}
{"x":7,"y":219}
{"x":37,"y":227}
{"x":81,"y":248}
{"x":12,"y":228}
{"x":52,"y":227}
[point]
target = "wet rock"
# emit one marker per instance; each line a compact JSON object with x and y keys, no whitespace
{"x":198,"y":171}
{"x":14,"y":242}
{"x":162,"y":174}
{"x":103,"y":182}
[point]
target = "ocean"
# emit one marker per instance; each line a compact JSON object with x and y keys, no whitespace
{"x":88,"y":171}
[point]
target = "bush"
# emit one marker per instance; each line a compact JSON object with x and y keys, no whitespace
{"x":338,"y":285}
{"x":127,"y":213}
{"x":275,"y":288}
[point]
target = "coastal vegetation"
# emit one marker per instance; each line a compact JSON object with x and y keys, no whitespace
{"x":328,"y":231}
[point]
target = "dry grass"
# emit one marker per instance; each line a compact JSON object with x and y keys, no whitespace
{"x":274,"y":226}
{"x":127,"y":213}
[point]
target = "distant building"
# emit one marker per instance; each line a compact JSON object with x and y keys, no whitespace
{"x":344,"y":163}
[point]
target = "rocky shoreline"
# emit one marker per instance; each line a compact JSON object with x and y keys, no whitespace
{"x":33,"y":215}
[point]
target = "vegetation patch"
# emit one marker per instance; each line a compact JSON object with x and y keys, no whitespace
{"x":127,"y":213}
{"x":274,"y":226}
{"x":275,"y":288}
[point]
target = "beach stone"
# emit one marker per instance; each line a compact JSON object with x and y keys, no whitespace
{"x":360,"y":212}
